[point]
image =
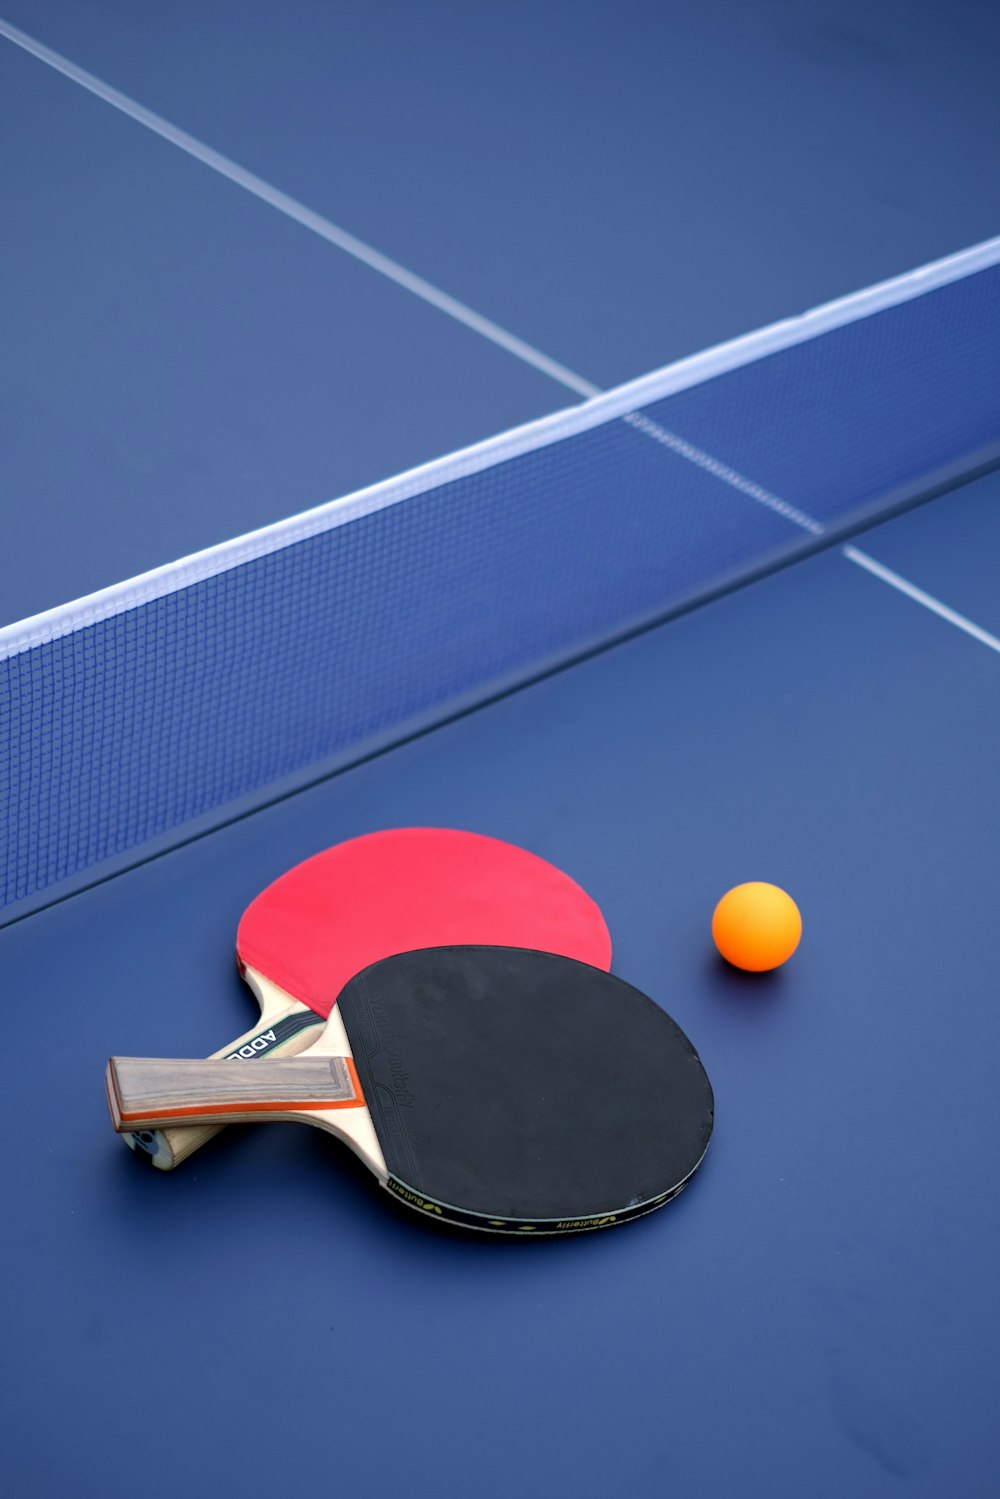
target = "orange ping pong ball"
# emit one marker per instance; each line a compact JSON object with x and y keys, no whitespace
{"x":756,"y":926}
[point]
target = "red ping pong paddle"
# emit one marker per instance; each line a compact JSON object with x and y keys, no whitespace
{"x":499,"y":1089}
{"x":304,"y":937}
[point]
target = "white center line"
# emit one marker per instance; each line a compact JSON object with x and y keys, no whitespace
{"x":308,"y":219}
{"x":920,"y":597}
{"x":723,"y":472}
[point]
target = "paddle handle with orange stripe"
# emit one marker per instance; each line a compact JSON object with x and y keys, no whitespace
{"x":321,"y":1088}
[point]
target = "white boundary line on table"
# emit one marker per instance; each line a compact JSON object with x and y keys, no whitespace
{"x":596,"y":408}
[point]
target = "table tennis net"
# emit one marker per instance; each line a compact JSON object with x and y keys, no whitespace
{"x":135,"y":715}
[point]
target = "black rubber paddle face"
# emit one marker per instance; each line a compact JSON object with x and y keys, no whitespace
{"x":522,"y":1092}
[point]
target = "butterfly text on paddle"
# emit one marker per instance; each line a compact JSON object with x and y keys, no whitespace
{"x":413,"y":1198}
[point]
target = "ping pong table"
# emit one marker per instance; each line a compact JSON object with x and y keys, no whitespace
{"x":736,"y":618}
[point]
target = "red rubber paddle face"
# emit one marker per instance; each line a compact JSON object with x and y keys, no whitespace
{"x":385,"y":893}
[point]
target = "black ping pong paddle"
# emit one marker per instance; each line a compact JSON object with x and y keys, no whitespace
{"x":496,"y":1088}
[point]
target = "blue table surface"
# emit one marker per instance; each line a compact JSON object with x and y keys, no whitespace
{"x":817,"y":1314}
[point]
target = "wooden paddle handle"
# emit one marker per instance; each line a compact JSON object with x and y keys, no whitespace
{"x":145,"y":1092}
{"x":167,"y":1148}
